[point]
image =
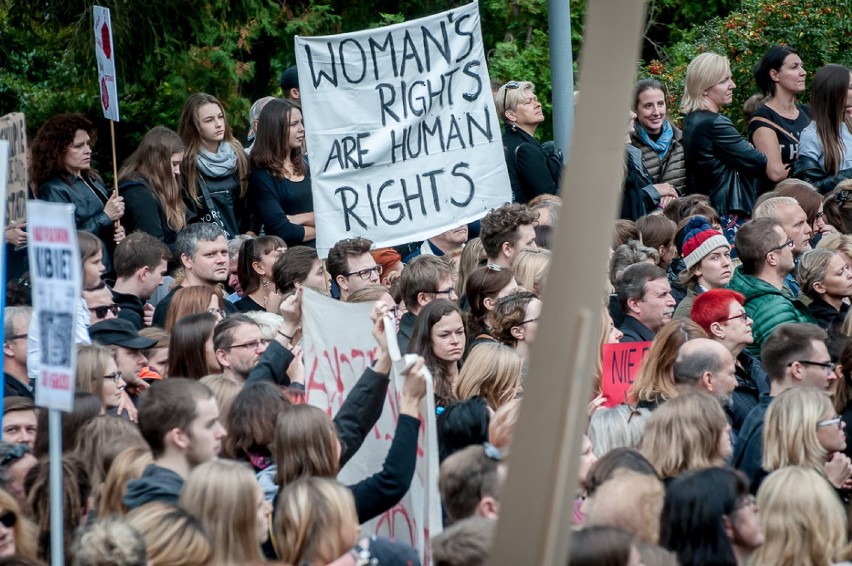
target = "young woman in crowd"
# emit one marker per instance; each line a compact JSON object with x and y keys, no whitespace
{"x":191,"y":351}
{"x":610,"y":334}
{"x":824,"y":277}
{"x":100,"y":441}
{"x":195,"y":300}
{"x":803,"y":429}
{"x":157,"y":355}
{"x":214,"y":169}
{"x":225,"y":496}
{"x":280,"y":183}
{"x":687,"y":433}
{"x":709,"y":517}
{"x":658,"y":139}
{"x":825,"y":151}
{"x":472,"y":258}
{"x":776,"y":126}
{"x":482,"y":289}
{"x":315,"y":522}
{"x":149,"y":181}
{"x":128,"y":465}
{"x":707,"y":259}
{"x":531,"y":266}
{"x":255,"y":272}
{"x":492,"y":371}
{"x":514,"y":321}
{"x":658,"y":232}
{"x":173,"y":537}
{"x":439,"y":336}
{"x":719,"y":162}
{"x":802,"y":518}
{"x":60,"y":170}
{"x":97,"y":373}
{"x":16,"y":532}
{"x":654,"y":384}
{"x":300,"y":266}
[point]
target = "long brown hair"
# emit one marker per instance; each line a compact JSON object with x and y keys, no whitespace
{"x":271,"y":147}
{"x":186,"y":348}
{"x":191,"y":300}
{"x":152,"y":161}
{"x":304,"y":445}
{"x":828,"y":107}
{"x":190,"y":132}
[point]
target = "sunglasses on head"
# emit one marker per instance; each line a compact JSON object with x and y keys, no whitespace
{"x":511,"y":85}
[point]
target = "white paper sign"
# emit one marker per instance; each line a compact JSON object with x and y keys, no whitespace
{"x":402,"y":134}
{"x":13,"y":129}
{"x":4,"y":175}
{"x":55,"y":274}
{"x":336,"y":355}
{"x":105,"y":51}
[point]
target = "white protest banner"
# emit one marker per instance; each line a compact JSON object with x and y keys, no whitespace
{"x":104,"y":49}
{"x":4,"y":166}
{"x":402,"y":134}
{"x":336,"y":355}
{"x":55,"y":274}
{"x":13,"y":129}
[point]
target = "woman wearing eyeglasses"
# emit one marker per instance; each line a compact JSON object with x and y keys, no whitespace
{"x":514,"y":321}
{"x":824,"y":277}
{"x":532,"y":171}
{"x":803,"y":429}
{"x":98,"y":373}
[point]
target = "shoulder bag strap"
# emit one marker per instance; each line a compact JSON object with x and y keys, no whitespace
{"x":774,"y":125}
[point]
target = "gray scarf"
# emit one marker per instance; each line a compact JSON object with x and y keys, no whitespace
{"x":217,"y":165}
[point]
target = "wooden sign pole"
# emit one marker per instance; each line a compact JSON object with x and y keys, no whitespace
{"x":536,"y":507}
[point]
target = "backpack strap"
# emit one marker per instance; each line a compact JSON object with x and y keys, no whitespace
{"x":763,"y":120}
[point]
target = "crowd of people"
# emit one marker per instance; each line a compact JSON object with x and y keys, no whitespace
{"x":190,"y":441}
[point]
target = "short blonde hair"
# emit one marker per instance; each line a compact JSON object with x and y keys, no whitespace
{"x":223,"y":495}
{"x":492,"y":371}
{"x":813,"y":268}
{"x":531,"y":266}
{"x":683,"y":434}
{"x":630,"y":501}
{"x":773,"y":208}
{"x":512,"y":96}
{"x":92,"y":361}
{"x":172,"y":536}
{"x":790,"y":433}
{"x":802,"y":519}
{"x":837,"y":242}
{"x":704,"y":71}
{"x":621,"y":426}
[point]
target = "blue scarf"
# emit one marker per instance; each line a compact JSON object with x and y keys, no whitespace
{"x":663,"y":143}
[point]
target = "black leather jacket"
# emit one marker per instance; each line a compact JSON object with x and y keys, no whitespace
{"x":720,"y":163}
{"x":809,"y":170}
{"x":88,"y":200}
{"x":527,"y":164}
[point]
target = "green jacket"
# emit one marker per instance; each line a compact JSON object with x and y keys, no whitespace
{"x":767,"y":306}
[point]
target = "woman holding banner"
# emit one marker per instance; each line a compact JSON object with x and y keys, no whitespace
{"x":215,"y":167}
{"x":61,"y":171}
{"x":280,"y":184}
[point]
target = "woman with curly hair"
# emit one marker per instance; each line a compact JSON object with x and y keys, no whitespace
{"x":60,"y":170}
{"x":149,"y":181}
{"x":514,"y":320}
{"x":215,"y":168}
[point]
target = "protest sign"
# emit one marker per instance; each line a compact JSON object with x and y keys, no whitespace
{"x":335,"y":357}
{"x":105,"y":52}
{"x":13,"y":130}
{"x":402,"y":134}
{"x":56,"y":278}
{"x":621,"y":364}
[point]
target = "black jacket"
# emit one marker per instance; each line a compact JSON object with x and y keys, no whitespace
{"x":752,"y":384}
{"x":826,"y":315}
{"x":228,"y":208}
{"x":14,"y":388}
{"x":88,"y":199}
{"x":406,"y":329}
{"x":720,"y":163}
{"x":132,"y":308}
{"x":273,"y":199}
{"x":639,"y":196}
{"x":142,"y":211}
{"x":748,"y":452}
{"x":811,"y":171}
{"x":635,"y":331}
{"x":156,"y":484}
{"x":527,"y":162}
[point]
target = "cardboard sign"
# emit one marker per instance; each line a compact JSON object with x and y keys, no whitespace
{"x":105,"y":52}
{"x":402,"y":133}
{"x":621,"y":364}
{"x":335,"y":357}
{"x":56,"y":276}
{"x":13,"y":129}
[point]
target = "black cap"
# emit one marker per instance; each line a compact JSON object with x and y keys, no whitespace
{"x":289,"y":79}
{"x":119,"y":332}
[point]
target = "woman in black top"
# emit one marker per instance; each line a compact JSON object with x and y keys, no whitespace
{"x":149,"y":183}
{"x":777,"y":124}
{"x":280,"y":184}
{"x":254,"y":270}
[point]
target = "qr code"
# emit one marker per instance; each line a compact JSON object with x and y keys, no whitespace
{"x":57,"y":338}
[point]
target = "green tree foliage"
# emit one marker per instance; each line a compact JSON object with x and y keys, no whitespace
{"x":820,"y":30}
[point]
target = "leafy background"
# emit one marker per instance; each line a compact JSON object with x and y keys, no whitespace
{"x":168,"y":49}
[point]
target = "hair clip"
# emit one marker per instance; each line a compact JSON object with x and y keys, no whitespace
{"x":492,"y":451}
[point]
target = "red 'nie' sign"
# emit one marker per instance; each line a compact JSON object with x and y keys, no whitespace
{"x":620,"y":366}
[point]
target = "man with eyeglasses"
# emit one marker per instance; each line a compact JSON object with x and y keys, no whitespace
{"x":787,"y":212}
{"x":794,"y":355}
{"x":123,"y":339}
{"x":351,"y":266}
{"x":100,"y":304}
{"x":423,"y":280}
{"x":16,"y":321}
{"x":766,"y":253}
{"x":238,"y":343}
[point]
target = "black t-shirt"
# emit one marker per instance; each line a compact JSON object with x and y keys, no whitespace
{"x":789,"y":144}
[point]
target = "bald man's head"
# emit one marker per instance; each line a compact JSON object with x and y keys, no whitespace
{"x":705,"y":365}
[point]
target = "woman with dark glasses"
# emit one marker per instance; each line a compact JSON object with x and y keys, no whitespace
{"x":16,"y":533}
{"x":532,"y":169}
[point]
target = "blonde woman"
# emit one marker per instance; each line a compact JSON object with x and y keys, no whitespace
{"x":687,"y":433}
{"x":720,"y":163}
{"x":97,"y":373}
{"x":802,"y":518}
{"x":127,"y":466}
{"x":316,"y":522}
{"x":492,"y":371}
{"x":17,"y":533}
{"x":225,"y":390}
{"x":803,"y":429}
{"x":172,"y":536}
{"x":531,"y":266}
{"x":227,"y":499}
{"x":824,"y":277}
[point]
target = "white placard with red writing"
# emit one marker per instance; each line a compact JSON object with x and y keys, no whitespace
{"x":105,"y":51}
{"x":338,"y":347}
{"x":56,"y":278}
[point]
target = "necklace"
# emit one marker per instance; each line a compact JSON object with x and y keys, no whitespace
{"x":790,"y":114}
